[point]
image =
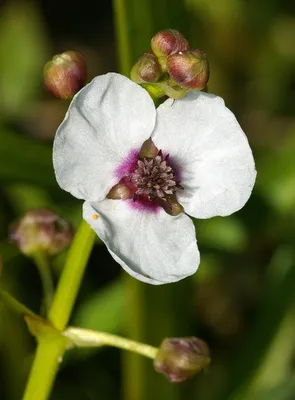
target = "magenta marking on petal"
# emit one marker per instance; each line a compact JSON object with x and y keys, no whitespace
{"x":144,"y":205}
{"x":128,"y":165}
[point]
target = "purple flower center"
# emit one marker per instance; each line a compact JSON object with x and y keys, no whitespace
{"x":154,"y":178}
{"x":148,"y":180}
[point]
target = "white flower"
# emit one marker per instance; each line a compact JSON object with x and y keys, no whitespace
{"x":98,"y":144}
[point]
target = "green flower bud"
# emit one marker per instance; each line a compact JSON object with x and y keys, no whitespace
{"x":189,"y":69}
{"x":65,"y":74}
{"x":181,"y":358}
{"x":41,"y":230}
{"x":167,"y":42}
{"x":147,"y":69}
{"x":172,"y":90}
{"x":148,"y":149}
{"x":120,"y":192}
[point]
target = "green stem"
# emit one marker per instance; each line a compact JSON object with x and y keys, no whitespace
{"x":42,"y":263}
{"x":15,"y":305}
{"x":133,"y":365}
{"x":49,"y":353}
{"x":121,"y":24}
{"x":88,"y":338}
{"x":48,"y":357}
{"x":71,"y":277}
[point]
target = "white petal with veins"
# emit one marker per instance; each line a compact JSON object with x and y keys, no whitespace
{"x":106,"y":120}
{"x":212,"y":152}
{"x":151,"y":246}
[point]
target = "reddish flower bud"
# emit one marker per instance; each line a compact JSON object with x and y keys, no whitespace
{"x":189,"y":69}
{"x":41,"y":230}
{"x":170,"y":41}
{"x":147,"y":69}
{"x":181,"y":358}
{"x":65,"y":74}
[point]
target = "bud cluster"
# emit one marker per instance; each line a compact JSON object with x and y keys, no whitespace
{"x":171,"y":66}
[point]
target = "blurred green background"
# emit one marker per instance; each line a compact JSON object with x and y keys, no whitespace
{"x":242,"y":299}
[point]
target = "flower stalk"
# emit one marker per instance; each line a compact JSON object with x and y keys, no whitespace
{"x":71,"y":277}
{"x":88,"y":338}
{"x":42,"y":263}
{"x":50,"y":352}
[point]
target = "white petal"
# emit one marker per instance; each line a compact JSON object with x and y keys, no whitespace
{"x":151,"y":246}
{"x":106,"y":120}
{"x":215,"y":162}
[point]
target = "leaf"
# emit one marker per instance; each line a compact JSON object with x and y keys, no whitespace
{"x":278,"y":295}
{"x":22,"y":55}
{"x":277,"y":184}
{"x":227,"y":234}
{"x":284,"y":391}
{"x":103,"y":311}
{"x":25,"y":160}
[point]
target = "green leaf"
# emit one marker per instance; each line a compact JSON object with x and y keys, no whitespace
{"x":226,"y":234}
{"x":25,"y":160}
{"x":277,"y":184}
{"x":22,"y":55}
{"x":284,"y":391}
{"x":276,"y":300}
{"x":103,"y":311}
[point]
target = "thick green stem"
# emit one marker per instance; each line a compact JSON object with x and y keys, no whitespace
{"x":133,"y":365}
{"x":50,"y":352}
{"x":71,"y":277}
{"x":46,"y":363}
{"x":42,"y":263}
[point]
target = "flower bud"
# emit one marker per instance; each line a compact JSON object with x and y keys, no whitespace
{"x":189,"y":69}
{"x":147,"y":69}
{"x":172,"y":90}
{"x":170,"y":41}
{"x":41,"y":230}
{"x":120,"y":192}
{"x":181,"y":358}
{"x":65,"y":74}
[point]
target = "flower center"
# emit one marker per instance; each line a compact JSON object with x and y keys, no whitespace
{"x":154,"y":178}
